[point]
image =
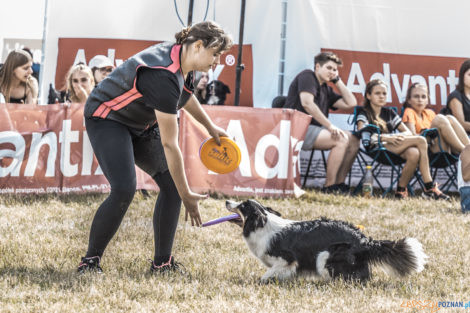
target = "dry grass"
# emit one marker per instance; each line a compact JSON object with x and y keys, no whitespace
{"x":43,"y":238}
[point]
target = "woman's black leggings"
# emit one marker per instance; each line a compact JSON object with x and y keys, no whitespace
{"x":118,"y":150}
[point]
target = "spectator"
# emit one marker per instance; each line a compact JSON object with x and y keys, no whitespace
{"x":16,"y":83}
{"x":310,"y":93}
{"x":80,"y":83}
{"x":458,"y":102}
{"x":36,"y":66}
{"x":200,"y":82}
{"x":101,"y":66}
{"x":417,"y":118}
{"x":412,"y":148}
{"x":463,"y":171}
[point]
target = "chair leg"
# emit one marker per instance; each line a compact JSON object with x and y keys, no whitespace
{"x":308,"y":168}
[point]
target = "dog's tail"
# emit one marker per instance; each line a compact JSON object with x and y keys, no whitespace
{"x":398,"y":258}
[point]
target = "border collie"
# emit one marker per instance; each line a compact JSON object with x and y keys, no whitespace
{"x":216,"y":93}
{"x":322,"y":249}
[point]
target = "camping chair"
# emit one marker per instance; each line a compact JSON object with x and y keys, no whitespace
{"x":381,"y":159}
{"x":442,"y":160}
{"x":307,"y":172}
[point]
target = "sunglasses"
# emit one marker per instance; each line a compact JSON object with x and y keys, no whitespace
{"x":106,"y":69}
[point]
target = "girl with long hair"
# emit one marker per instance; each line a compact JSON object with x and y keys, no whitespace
{"x":16,"y":81}
{"x":79,"y":83}
{"x":458,"y":101}
{"x":412,"y":148}
{"x":418,"y":118}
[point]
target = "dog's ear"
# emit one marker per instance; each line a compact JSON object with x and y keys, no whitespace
{"x":273,"y":211}
{"x":226,"y":89}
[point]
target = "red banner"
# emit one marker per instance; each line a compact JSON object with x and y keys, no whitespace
{"x":399,"y":71}
{"x":269,"y":140}
{"x":74,"y":50}
{"x":45,"y":149}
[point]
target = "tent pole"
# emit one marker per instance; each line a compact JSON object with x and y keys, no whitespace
{"x":190,"y":12}
{"x":240,"y":65}
{"x":282,"y":60}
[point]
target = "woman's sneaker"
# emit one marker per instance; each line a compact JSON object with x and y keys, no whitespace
{"x":168,"y":267}
{"x":435,"y":194}
{"x":91,"y":264}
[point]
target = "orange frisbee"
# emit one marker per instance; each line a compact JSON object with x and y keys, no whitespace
{"x":221,"y":159}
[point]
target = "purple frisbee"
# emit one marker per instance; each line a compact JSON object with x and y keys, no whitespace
{"x":221,"y":219}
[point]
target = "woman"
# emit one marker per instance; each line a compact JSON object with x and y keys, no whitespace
{"x":458,"y":101}
{"x":417,"y":118}
{"x":16,"y":83}
{"x":201,"y":87}
{"x":80,"y":83}
{"x":412,"y":148}
{"x":131,"y":119}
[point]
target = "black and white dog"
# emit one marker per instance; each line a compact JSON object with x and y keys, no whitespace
{"x":216,"y":93}
{"x":322,"y":249}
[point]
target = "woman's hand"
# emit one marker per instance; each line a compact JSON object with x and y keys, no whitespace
{"x":393,"y":139}
{"x":216,"y":132}
{"x":81,"y":93}
{"x":191,"y":204}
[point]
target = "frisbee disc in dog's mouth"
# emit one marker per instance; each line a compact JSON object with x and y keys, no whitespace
{"x":221,"y":219}
{"x":221,"y":159}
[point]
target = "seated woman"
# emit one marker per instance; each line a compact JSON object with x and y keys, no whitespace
{"x":80,"y":83}
{"x":16,"y":82}
{"x":417,"y":118}
{"x":458,"y":101}
{"x":412,"y":148}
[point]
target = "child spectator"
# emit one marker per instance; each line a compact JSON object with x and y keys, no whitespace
{"x":463,"y":172}
{"x":201,"y":83}
{"x":101,"y":66}
{"x":80,"y":83}
{"x":458,"y":102}
{"x":417,"y":118}
{"x":16,"y":82}
{"x":412,"y":148}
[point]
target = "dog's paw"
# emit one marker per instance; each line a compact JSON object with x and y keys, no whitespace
{"x":268,"y":281}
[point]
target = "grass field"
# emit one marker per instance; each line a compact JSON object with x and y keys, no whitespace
{"x":43,"y":237}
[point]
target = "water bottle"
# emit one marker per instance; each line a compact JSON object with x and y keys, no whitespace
{"x":367,"y":185}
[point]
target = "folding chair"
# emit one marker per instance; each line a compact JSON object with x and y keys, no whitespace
{"x":442,"y":160}
{"x":307,"y":172}
{"x":382,"y":159}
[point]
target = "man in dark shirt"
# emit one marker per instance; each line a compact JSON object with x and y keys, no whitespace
{"x":310,"y":93}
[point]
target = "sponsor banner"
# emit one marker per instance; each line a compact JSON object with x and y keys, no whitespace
{"x":269,"y":140}
{"x":399,"y":71}
{"x":46,"y":149}
{"x":75,"y":50}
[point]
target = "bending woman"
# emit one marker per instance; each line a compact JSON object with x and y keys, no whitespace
{"x":417,"y":118}
{"x":131,"y":119}
{"x":412,"y":148}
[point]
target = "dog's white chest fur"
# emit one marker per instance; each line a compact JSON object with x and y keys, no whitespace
{"x":259,"y":240}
